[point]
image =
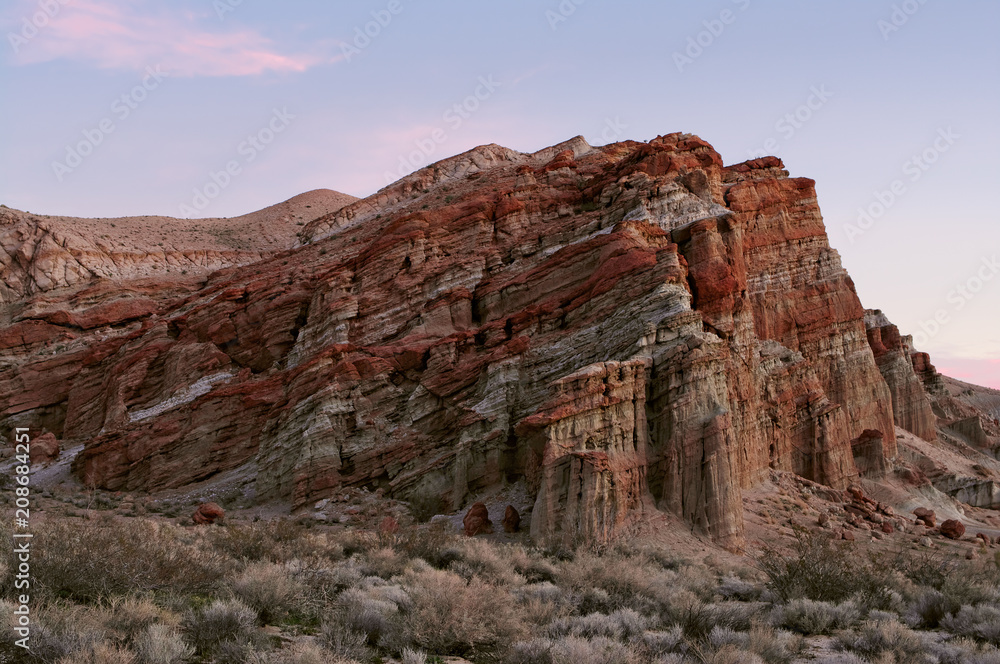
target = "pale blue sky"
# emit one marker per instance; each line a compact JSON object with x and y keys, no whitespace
{"x":609,"y":71}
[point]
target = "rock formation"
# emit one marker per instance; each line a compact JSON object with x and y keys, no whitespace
{"x":629,"y":328}
{"x":208,"y":513}
{"x":477,"y":521}
{"x":511,"y":520}
{"x":953,"y":529}
{"x":911,"y":406}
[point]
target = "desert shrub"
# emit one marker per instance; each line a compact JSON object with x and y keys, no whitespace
{"x":720,"y":637}
{"x":775,"y":646}
{"x":620,"y":625}
{"x":695,"y":618}
{"x":626,"y":580}
{"x":807,"y":616}
{"x":383,"y":561}
{"x":841,"y":658}
{"x":981,"y":622}
{"x":366,"y":613}
{"x":924,"y":567}
{"x":61,"y":630}
{"x":732,"y":587}
{"x":267,"y":588}
{"x":541,"y":608}
{"x":819,"y":569}
{"x":87,"y":561}
{"x":658,"y":643}
{"x":343,"y":641}
{"x":874,"y":640}
{"x":130,"y":617}
{"x":491,"y":562}
{"x":451,"y":615}
{"x":961,"y":650}
{"x":410,"y":656}
{"x":162,"y":644}
{"x":275,"y":540}
{"x":535,"y":651}
{"x":100,"y":653}
{"x":222,"y":622}
{"x":576,"y":650}
{"x":737,"y":615}
{"x":732,"y":655}
{"x":929,"y":609}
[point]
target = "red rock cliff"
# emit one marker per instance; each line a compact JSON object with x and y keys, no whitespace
{"x":626,"y":328}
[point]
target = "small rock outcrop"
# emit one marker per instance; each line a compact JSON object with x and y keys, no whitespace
{"x":208,"y":513}
{"x":925,"y":516}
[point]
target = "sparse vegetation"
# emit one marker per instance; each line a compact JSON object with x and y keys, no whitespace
{"x":140,"y":591}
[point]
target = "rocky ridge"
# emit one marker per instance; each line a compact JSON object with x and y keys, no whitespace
{"x":622,"y":329}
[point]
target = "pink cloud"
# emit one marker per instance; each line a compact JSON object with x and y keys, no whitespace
{"x":121,"y":36}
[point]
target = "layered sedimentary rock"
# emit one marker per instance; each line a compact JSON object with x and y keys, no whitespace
{"x":41,"y":253}
{"x":624,"y":329}
{"x":911,"y":406}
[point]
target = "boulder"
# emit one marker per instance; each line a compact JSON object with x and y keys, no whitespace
{"x":208,"y":513}
{"x":44,"y":449}
{"x":477,"y":521}
{"x":511,"y":520}
{"x":953,"y":529}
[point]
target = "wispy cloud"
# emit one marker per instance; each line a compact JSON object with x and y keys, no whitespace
{"x":131,"y":35}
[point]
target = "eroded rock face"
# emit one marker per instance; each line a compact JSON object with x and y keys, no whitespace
{"x":627,"y":328}
{"x":911,"y":406}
